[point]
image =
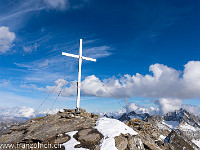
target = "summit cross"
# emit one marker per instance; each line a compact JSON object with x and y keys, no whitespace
{"x":80,"y":57}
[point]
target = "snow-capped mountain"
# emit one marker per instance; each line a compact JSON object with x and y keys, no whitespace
{"x":132,"y":114}
{"x":184,"y":117}
{"x":185,"y":123}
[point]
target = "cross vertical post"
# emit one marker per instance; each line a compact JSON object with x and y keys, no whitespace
{"x":80,"y":57}
{"x":79,"y":77}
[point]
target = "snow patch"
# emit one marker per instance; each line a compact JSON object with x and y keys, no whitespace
{"x":111,"y":128}
{"x":161,"y":137}
{"x":69,"y":145}
{"x":62,"y":110}
{"x":162,"y":126}
{"x":186,"y":127}
{"x":197,"y":142}
{"x":171,"y":124}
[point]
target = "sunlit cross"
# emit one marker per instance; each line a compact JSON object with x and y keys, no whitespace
{"x":80,"y":57}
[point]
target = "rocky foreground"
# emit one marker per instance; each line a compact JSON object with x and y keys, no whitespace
{"x":88,"y":131}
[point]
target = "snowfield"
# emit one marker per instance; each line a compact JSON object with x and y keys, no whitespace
{"x":163,"y":126}
{"x":162,"y":137}
{"x":186,"y":127}
{"x":197,"y":142}
{"x":171,"y":124}
{"x":110,"y":128}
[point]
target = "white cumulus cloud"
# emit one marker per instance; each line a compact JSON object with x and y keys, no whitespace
{"x":26,"y":112}
{"x":169,"y":105}
{"x":6,"y":39}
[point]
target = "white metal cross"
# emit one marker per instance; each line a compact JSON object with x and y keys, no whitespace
{"x":80,"y":57}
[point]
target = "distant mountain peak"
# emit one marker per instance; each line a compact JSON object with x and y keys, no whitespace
{"x":176,"y":115}
{"x":183,"y":117}
{"x":133,"y":114}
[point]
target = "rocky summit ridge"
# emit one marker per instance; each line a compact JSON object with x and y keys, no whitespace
{"x":178,"y":130}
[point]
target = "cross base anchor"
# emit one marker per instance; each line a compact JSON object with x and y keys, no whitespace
{"x":77,"y":110}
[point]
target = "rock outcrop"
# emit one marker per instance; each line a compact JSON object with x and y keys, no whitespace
{"x":52,"y":129}
{"x":160,"y":132}
{"x":176,"y":142}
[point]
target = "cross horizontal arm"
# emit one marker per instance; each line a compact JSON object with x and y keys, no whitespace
{"x":70,"y":55}
{"x":77,"y":56}
{"x":87,"y":58}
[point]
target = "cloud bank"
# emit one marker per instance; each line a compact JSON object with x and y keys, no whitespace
{"x":162,"y":82}
{"x":169,"y":105}
{"x":27,"y":112}
{"x":164,"y":106}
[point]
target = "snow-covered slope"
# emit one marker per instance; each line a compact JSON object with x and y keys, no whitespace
{"x":110,"y":128}
{"x":196,"y":142}
{"x":171,"y":124}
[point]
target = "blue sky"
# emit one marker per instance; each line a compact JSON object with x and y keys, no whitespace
{"x":126,"y":37}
